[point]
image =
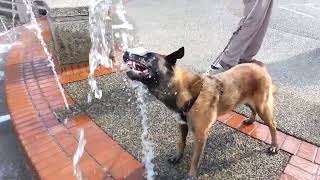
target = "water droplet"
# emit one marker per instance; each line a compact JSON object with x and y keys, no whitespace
{"x":65,"y":121}
{"x":89,"y":99}
{"x":117,"y":34}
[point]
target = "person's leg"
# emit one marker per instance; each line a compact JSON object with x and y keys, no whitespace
{"x":246,"y":32}
{"x":248,"y":6}
{"x":256,"y":43}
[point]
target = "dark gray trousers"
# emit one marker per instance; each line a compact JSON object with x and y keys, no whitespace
{"x":247,"y":39}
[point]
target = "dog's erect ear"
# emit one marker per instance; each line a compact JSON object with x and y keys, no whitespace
{"x":172,"y":58}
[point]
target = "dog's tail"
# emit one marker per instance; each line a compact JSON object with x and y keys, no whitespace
{"x":274,"y":89}
{"x":259,"y":63}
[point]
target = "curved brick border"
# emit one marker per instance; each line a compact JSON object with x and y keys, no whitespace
{"x":32,"y":95}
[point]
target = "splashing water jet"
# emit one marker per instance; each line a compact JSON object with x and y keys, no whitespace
{"x":77,"y":156}
{"x":34,"y":25}
{"x":100,"y":51}
{"x":147,"y":145}
{"x":13,"y":20}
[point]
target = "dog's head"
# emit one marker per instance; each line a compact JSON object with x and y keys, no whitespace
{"x":151,"y":68}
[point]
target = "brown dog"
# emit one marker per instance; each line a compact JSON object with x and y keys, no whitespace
{"x":200,"y":99}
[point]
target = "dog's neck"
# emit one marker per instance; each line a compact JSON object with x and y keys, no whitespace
{"x":188,"y":84}
{"x":186,"y":80}
{"x":179,"y":90}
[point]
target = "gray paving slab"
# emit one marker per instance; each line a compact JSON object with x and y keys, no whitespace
{"x":228,"y":155}
{"x":290,"y":50}
{"x":300,"y":17}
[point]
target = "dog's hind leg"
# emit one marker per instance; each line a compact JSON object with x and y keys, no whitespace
{"x":181,"y":144}
{"x":265,"y":112}
{"x":252,"y":118}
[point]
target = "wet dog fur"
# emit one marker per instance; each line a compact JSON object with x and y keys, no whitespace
{"x":201,"y":98}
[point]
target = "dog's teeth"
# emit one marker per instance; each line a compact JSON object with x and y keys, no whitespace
{"x":134,"y":64}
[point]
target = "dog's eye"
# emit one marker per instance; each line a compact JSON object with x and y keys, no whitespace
{"x":150,"y":56}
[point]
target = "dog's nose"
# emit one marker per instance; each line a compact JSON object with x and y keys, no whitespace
{"x":126,"y":55}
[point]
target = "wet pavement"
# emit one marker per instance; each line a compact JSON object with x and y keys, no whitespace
{"x":13,"y":163}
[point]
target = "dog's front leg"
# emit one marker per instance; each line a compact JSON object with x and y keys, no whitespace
{"x":181,"y":144}
{"x":203,"y":114}
{"x":200,"y":143}
{"x":201,"y":122}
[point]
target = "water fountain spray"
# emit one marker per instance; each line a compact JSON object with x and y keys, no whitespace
{"x":100,"y":50}
{"x":36,"y":27}
{"x":13,"y":19}
{"x":77,"y":156}
{"x":147,"y":147}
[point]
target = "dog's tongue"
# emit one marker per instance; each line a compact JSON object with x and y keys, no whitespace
{"x":138,"y":50}
{"x":146,"y":71}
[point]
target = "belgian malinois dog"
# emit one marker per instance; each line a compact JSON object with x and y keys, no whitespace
{"x":201,"y":98}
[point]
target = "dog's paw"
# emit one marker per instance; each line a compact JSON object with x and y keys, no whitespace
{"x":273,"y":149}
{"x":248,"y":121}
{"x":175,"y":159}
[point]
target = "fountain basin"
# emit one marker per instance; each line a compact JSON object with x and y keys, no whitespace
{"x":32,"y":97}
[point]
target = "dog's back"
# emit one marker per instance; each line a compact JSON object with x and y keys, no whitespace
{"x":248,"y":83}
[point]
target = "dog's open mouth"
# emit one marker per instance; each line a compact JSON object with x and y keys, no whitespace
{"x":138,"y":68}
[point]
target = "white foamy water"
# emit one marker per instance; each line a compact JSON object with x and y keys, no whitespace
{"x":78,"y":154}
{"x":147,"y":145}
{"x":122,"y":26}
{"x":121,"y":13}
{"x":35,"y":26}
{"x":100,"y":49}
{"x":13,"y":20}
{"x":1,"y":75}
{"x":138,"y":50}
{"x":13,"y":14}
